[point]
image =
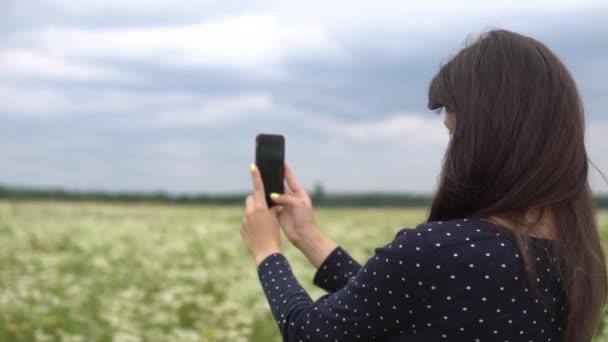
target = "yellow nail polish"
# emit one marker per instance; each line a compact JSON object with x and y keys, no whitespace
{"x":279,"y":209}
{"x":252,"y":167}
{"x":274,"y":195}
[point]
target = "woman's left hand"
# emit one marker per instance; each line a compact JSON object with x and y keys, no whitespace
{"x":260,"y":229}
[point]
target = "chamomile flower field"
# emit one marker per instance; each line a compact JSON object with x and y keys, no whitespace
{"x":114,"y":272}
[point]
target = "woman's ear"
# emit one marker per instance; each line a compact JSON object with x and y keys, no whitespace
{"x":450,"y":121}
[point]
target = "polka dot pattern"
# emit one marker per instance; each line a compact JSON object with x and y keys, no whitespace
{"x":456,"y":280}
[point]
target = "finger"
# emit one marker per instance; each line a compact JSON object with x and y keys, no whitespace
{"x":277,"y":209}
{"x":258,"y":187}
{"x":287,"y":189}
{"x":286,"y":199}
{"x":291,"y":180}
{"x":249,"y":204}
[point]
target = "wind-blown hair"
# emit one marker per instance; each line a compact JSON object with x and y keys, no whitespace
{"x":518,"y":144}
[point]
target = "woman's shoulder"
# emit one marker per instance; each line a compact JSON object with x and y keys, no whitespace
{"x":466,"y":248}
{"x":458,"y":227}
{"x":470,"y":234}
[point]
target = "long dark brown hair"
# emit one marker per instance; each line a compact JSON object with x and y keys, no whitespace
{"x":518,"y":144}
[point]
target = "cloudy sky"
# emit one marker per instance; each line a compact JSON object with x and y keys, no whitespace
{"x":169,"y":95}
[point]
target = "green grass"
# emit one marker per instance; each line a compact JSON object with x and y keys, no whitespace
{"x":101,"y":272}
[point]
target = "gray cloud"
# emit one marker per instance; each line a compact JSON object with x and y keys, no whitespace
{"x":83,"y":88}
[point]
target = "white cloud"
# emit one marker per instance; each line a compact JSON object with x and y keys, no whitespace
{"x":596,"y":141}
{"x":30,"y":101}
{"x":597,"y":149}
{"x":214,"y":110}
{"x":175,"y":148}
{"x":92,"y":6}
{"x":28,"y":64}
{"x":45,"y":100}
{"x":416,"y":128}
{"x":415,"y":18}
{"x":242,"y":43}
{"x":260,"y":43}
{"x":161,"y":108}
{"x":393,"y":12}
{"x":344,"y":11}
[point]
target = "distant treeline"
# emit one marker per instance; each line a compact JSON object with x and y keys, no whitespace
{"x":318,"y":196}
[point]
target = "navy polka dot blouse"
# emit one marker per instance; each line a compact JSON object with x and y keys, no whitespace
{"x":456,"y":280}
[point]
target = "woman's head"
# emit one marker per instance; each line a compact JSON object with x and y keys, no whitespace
{"x":515,"y":117}
{"x":517,"y":143}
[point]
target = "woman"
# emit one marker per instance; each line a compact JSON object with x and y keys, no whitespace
{"x":510,"y":250}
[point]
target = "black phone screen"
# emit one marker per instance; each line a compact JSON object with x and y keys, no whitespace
{"x":270,"y":158}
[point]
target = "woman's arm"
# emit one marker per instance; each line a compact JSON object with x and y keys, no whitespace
{"x":297,"y":220}
{"x":316,"y":246}
{"x":378,"y":301}
{"x":334,"y":265}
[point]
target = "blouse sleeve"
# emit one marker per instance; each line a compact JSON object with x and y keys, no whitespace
{"x":383,"y":298}
{"x":334,"y":271}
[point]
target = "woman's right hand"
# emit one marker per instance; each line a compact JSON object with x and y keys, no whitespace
{"x":296,"y":217}
{"x":298,"y":222}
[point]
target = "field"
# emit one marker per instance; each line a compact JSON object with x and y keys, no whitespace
{"x":109,"y":272}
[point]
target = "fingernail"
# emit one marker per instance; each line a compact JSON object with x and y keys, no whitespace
{"x":279,"y":209}
{"x":252,"y":167}
{"x":274,"y":195}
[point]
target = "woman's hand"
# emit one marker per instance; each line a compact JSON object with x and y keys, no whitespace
{"x":260,"y":229}
{"x":296,"y":216}
{"x":298,"y":221}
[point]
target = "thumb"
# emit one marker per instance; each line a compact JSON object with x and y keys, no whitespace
{"x":285,"y":199}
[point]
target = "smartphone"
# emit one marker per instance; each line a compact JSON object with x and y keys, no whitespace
{"x":270,"y":159}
